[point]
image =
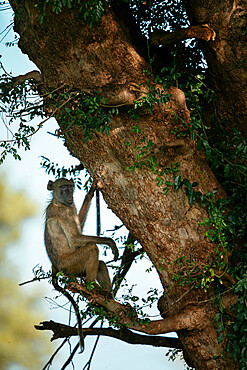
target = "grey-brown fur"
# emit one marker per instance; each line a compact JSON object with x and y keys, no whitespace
{"x":69,"y":250}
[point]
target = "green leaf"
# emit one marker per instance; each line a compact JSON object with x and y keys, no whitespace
{"x":177,"y":182}
{"x":194,"y":184}
{"x":227,"y":170}
{"x":165,"y":190}
{"x":199,"y":144}
{"x":187,"y":184}
{"x":194,"y":135}
{"x":221,"y":338}
{"x":192,"y":197}
{"x":160,"y":182}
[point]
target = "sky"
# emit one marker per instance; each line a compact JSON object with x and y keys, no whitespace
{"x":27,"y":175}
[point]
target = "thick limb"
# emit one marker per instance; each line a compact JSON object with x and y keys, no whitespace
{"x":203,"y":32}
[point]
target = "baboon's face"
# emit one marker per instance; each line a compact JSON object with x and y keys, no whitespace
{"x":63,"y":190}
{"x":65,"y":194}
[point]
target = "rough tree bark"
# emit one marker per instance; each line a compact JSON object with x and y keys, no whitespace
{"x":67,"y":51}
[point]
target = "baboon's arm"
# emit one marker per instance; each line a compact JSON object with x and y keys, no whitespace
{"x":77,"y":240}
{"x":85,"y":206}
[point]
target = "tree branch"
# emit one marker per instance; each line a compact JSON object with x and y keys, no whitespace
{"x":15,"y":81}
{"x":203,"y":32}
{"x":34,"y":75}
{"x":127,"y":258}
{"x":61,"y":331}
{"x":189,"y":319}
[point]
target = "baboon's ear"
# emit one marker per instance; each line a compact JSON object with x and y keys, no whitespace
{"x":72,"y":182}
{"x":50,"y":185}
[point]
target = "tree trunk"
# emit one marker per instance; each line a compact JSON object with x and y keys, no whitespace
{"x":67,"y":51}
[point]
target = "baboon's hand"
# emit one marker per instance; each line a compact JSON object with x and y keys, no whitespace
{"x":92,"y":188}
{"x":114,"y":249}
{"x":94,"y":183}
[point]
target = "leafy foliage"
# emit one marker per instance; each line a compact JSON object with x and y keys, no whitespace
{"x":59,"y":171}
{"x":226,"y":155}
{"x":90,"y":11}
{"x":226,"y":226}
{"x":146,"y":159}
{"x":19,"y":104}
{"x":83,"y":110}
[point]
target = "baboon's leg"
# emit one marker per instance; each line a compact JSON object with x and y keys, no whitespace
{"x":84,"y":260}
{"x":103,"y":276}
{"x":92,"y":263}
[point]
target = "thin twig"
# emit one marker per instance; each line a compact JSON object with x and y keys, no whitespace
{"x":34,"y":279}
{"x":88,"y":364}
{"x":41,"y":123}
{"x":70,"y":357}
{"x":54,"y":354}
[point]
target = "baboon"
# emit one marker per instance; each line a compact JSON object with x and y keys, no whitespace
{"x":69,"y":250}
